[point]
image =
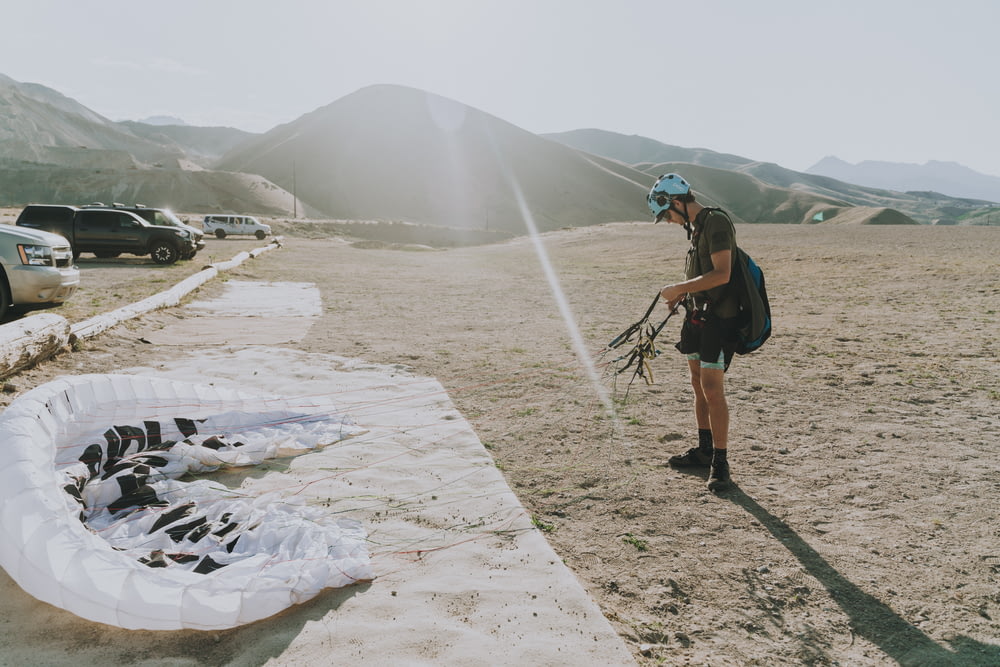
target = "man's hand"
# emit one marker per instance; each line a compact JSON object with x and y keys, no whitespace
{"x":673,"y":295}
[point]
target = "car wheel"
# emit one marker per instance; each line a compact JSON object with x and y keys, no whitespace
{"x":220,"y":233}
{"x":164,"y":253}
{"x":260,"y":235}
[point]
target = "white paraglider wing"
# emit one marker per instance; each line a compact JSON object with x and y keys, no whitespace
{"x":95,"y":518}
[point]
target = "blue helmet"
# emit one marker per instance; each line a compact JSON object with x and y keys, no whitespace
{"x":662,"y":193}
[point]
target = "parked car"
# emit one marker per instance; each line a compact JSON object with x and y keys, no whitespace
{"x":109,"y":232}
{"x":163,"y":217}
{"x":36,"y":268}
{"x":223,"y":225}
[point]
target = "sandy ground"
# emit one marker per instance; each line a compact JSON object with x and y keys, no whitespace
{"x":864,"y":444}
{"x":460,"y":573}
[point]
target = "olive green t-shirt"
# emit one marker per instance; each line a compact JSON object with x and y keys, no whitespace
{"x":713,"y":231}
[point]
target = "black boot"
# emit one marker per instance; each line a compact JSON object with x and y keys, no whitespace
{"x":718,"y":478}
{"x":696,"y":457}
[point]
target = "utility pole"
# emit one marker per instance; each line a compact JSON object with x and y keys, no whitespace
{"x":295,"y":196}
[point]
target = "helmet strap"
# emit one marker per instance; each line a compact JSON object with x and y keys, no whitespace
{"x":684,"y":214}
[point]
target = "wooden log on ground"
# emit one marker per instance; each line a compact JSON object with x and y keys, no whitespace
{"x":26,"y":342}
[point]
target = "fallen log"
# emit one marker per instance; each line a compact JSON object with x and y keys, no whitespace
{"x":25,"y":342}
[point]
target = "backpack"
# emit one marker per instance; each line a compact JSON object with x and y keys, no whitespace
{"x":746,"y":281}
{"x":754,"y":320}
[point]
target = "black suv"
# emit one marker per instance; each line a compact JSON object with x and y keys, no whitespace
{"x":109,"y":232}
{"x":163,"y":217}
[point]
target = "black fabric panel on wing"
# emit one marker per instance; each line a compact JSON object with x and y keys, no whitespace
{"x":214,"y":443}
{"x":74,"y":491}
{"x":169,"y":517}
{"x":153,"y":436}
{"x":113,"y":468}
{"x":114,"y":444}
{"x":179,"y":531}
{"x":144,"y":496}
{"x":129,"y":484}
{"x":199,"y":532}
{"x":91,"y":458}
{"x":154,"y":559}
{"x":185,"y":426}
{"x":152,"y":460}
{"x":225,"y":530}
{"x":130,"y":434}
{"x":207,"y":565}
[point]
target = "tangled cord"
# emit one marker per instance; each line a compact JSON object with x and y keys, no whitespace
{"x":643,"y":335}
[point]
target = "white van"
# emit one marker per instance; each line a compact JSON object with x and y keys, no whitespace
{"x":222,"y":225}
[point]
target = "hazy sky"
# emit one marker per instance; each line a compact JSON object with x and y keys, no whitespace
{"x":786,"y":81}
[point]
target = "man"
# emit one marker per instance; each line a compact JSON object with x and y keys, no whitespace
{"x":707,"y":327}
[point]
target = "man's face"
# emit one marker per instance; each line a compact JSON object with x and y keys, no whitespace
{"x":671,"y":215}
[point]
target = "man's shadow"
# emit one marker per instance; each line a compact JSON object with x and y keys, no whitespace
{"x":869,"y":617}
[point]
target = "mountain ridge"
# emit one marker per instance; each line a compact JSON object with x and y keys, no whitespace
{"x":923,"y":206}
{"x":950,"y":178}
{"x":400,"y":154}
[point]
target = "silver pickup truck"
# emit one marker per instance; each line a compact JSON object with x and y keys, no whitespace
{"x":36,"y":268}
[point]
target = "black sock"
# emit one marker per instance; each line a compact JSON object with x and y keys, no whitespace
{"x":705,"y":439}
{"x":718,"y":456}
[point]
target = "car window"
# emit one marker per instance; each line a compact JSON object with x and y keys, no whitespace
{"x":45,"y":213}
{"x":125,"y":220}
{"x":168,"y":217}
{"x":160,"y":218}
{"x":100,"y":219}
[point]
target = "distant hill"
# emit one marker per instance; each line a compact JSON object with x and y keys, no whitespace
{"x":948,"y":178}
{"x":636,"y":150}
{"x":396,"y":153}
{"x":161,"y":120}
{"x":55,"y":150}
{"x":184,"y":191}
{"x":50,"y":98}
{"x":203,"y":145}
{"x":36,"y":119}
{"x":748,"y":198}
{"x":648,"y":155}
